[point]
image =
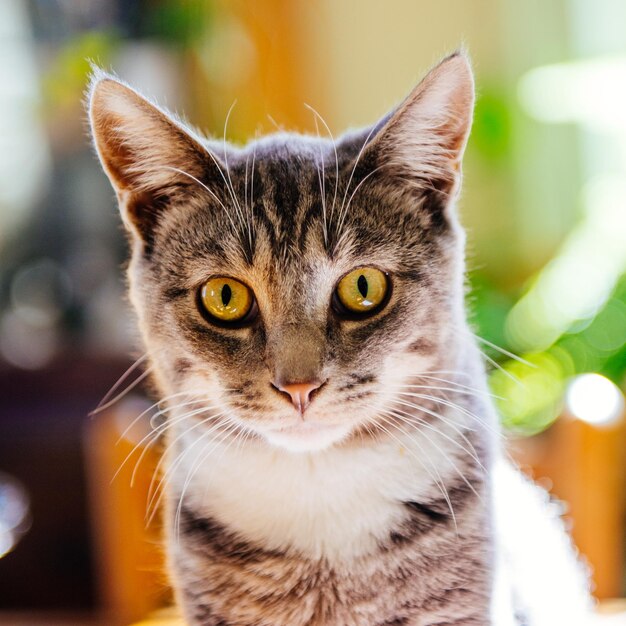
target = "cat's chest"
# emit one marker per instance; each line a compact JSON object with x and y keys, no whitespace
{"x":225,"y":579}
{"x":337,"y":504}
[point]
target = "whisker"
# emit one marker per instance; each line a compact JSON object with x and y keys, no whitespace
{"x":508,"y":374}
{"x":153,"y":434}
{"x":356,"y":162}
{"x":153,"y":492}
{"x":252,"y":185}
{"x":230,"y":180}
{"x":231,"y":428}
{"x":274,"y":123}
{"x":121,"y":379}
{"x":409,"y":419}
{"x":436,"y":479}
{"x":127,"y":430}
{"x":119,"y":396}
{"x":316,"y":113}
{"x":210,"y":191}
{"x":511,"y":355}
{"x":347,"y":207}
{"x":457,"y":384}
{"x":449,"y":460}
{"x":321,"y":178}
{"x":452,"y":405}
{"x":245,"y":203}
{"x":160,"y":430}
{"x":461,"y":390}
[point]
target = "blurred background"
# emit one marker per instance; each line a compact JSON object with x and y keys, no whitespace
{"x":544,"y":204}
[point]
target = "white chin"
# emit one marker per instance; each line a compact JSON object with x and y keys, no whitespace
{"x":307,"y":436}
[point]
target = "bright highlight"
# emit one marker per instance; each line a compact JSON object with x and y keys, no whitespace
{"x":594,"y":399}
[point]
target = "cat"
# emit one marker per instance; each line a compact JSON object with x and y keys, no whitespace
{"x":332,"y":454}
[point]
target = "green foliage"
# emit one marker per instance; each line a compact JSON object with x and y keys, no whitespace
{"x":530,"y":393}
{"x":65,"y":81}
{"x":177,"y":21}
{"x":492,"y":127}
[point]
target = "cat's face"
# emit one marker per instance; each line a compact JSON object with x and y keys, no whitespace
{"x":295,"y":284}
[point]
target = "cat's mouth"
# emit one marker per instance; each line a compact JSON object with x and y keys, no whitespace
{"x":306,"y":436}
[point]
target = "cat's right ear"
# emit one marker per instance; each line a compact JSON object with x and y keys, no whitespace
{"x":420,"y":144}
{"x":150,"y":158}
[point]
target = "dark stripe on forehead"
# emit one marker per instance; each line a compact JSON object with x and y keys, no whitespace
{"x":308,"y":220}
{"x":270,"y":228}
{"x":285,"y":200}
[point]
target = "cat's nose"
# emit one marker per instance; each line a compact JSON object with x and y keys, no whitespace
{"x":300,"y":393}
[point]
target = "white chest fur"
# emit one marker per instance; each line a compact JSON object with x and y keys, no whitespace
{"x":335,"y":504}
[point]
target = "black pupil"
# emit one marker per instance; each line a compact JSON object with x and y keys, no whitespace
{"x":227,"y":294}
{"x":362,"y":285}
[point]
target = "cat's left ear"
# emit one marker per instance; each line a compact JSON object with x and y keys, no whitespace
{"x":423,"y":140}
{"x":149,"y":157}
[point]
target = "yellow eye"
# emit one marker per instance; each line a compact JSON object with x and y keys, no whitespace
{"x":362,"y":290}
{"x":226,"y":299}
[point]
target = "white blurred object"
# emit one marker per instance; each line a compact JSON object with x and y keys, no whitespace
{"x":24,"y":156}
{"x":153,"y":70}
{"x":594,"y":399}
{"x":14,"y":513}
{"x":590,"y":92}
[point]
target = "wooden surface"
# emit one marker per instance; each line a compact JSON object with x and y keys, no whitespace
{"x":128,"y":549}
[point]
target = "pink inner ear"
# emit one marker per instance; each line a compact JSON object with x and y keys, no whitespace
{"x":147,"y":155}
{"x":426,"y":136}
{"x":140,"y":146}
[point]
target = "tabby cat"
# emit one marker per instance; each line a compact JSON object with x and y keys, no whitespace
{"x":331,"y":451}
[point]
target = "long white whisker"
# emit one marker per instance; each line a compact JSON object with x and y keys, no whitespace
{"x":449,"y":460}
{"x":153,"y":434}
{"x":230,"y":180}
{"x":210,"y":191}
{"x":445,"y":402}
{"x":511,"y":355}
{"x":410,"y":420}
{"x":321,"y":177}
{"x":120,"y":395}
{"x":152,"y":504}
{"x":150,"y":408}
{"x":461,"y":409}
{"x":160,"y":430}
{"x":332,"y":210}
{"x":471,"y":452}
{"x":457,"y":384}
{"x":508,"y":374}
{"x":252,"y":184}
{"x":356,"y":162}
{"x":461,"y":390}
{"x":347,"y":207}
{"x":436,"y":479}
{"x":121,"y":379}
{"x":230,"y":429}
{"x":245,"y":203}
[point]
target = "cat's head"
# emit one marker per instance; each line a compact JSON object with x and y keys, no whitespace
{"x":295,"y":283}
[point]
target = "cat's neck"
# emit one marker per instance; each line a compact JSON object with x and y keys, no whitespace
{"x":335,"y":504}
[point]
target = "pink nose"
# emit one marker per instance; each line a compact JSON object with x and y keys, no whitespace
{"x":300,"y":393}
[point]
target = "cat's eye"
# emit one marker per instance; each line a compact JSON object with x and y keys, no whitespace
{"x":363,"y":290}
{"x":226,"y":300}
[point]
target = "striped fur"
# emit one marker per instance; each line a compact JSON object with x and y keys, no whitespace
{"x":376,"y":506}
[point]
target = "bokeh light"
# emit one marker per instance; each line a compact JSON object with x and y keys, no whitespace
{"x":594,"y":399}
